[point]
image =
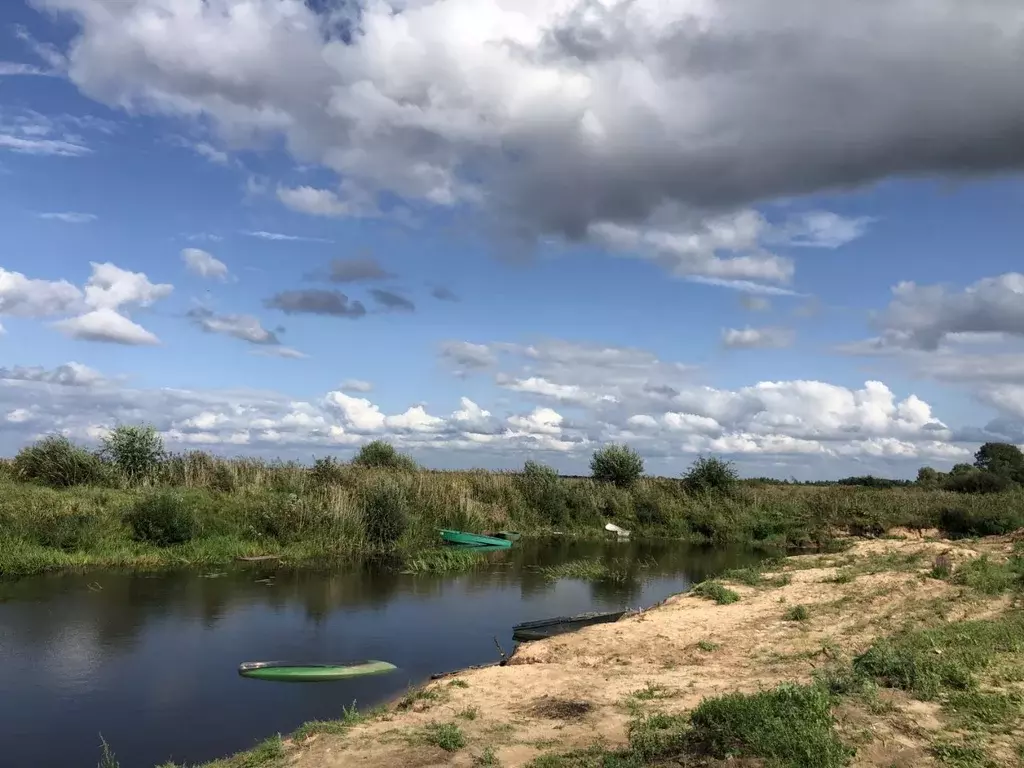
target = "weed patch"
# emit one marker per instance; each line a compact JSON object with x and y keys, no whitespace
{"x":713,"y":590}
{"x":447,"y":736}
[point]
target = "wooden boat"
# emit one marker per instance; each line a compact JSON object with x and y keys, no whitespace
{"x":474,"y":539}
{"x":507,"y":535}
{"x":538,"y":630}
{"x":621,"y":532}
{"x":288,"y":671}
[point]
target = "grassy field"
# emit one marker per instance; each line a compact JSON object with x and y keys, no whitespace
{"x":196,"y":509}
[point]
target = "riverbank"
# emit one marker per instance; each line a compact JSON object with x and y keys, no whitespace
{"x":211,"y":511}
{"x":894,"y":652}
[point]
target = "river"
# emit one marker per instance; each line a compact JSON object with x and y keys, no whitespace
{"x":149,"y":660}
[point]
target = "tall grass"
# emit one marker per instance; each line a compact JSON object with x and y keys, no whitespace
{"x":78,"y":507}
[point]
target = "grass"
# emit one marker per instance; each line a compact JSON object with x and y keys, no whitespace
{"x":447,"y":736}
{"x":707,"y":646}
{"x":990,"y":577}
{"x":445,"y":560}
{"x":194,"y":508}
{"x":486,"y":759}
{"x":753,"y":576}
{"x":713,"y":590}
{"x":789,"y":726}
{"x":797,"y":613}
{"x":617,"y":570}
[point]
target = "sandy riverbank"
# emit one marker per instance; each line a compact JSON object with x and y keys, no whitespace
{"x":579,"y":690}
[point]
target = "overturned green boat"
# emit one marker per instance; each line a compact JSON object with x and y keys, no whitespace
{"x":462,"y":538}
{"x":296,"y":672}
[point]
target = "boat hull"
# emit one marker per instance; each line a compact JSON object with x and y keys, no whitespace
{"x":539,"y":630}
{"x":293,"y":672}
{"x":474,"y":539}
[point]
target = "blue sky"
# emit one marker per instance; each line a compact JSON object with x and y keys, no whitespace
{"x":571,"y":246}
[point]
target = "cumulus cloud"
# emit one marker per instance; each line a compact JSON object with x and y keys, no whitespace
{"x":108,"y":294}
{"x":316,"y":302}
{"x":107,"y":325}
{"x":392,"y":301}
{"x":922,"y":316}
{"x":21,"y":296}
{"x":70,"y":217}
{"x":204,"y":264}
{"x":757,"y":338}
{"x":577,"y":118}
{"x":246,"y":328}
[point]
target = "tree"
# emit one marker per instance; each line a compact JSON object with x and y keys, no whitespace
{"x":135,"y":450}
{"x":617,"y":464}
{"x":1002,"y":459}
{"x":711,"y":474}
{"x":927,"y":477}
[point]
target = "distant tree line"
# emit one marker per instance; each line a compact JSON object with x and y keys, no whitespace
{"x":997,"y":467}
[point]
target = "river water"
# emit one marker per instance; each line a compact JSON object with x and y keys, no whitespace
{"x":150,"y":660}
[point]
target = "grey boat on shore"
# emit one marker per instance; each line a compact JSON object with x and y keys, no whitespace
{"x":543,"y":628}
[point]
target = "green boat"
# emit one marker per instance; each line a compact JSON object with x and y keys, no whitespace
{"x":507,"y":535}
{"x":288,"y":671}
{"x":474,"y":539}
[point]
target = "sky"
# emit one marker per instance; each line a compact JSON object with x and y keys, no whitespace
{"x":784,"y":233}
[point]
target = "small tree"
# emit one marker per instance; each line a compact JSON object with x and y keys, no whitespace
{"x":385,"y":512}
{"x":135,"y":450}
{"x":382,"y":454}
{"x":711,"y":474}
{"x":57,"y":462}
{"x":617,"y":464}
{"x":927,"y":477}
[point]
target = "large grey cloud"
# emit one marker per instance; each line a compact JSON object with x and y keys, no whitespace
{"x":580,"y":118}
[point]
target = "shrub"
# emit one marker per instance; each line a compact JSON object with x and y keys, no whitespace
{"x":136,"y":451}
{"x":713,"y":590}
{"x":162,"y":518}
{"x":385,"y":513}
{"x":447,"y":736}
{"x":992,"y":521}
{"x":617,"y":464}
{"x":59,"y":463}
{"x":544,"y":491}
{"x":976,"y":481}
{"x":382,"y":454}
{"x":283,"y":516}
{"x":327,"y":470}
{"x":797,"y":613}
{"x":712,"y":475}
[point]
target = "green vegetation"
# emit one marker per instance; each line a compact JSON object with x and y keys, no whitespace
{"x":617,"y":464}
{"x":107,"y":758}
{"x":713,"y":590}
{"x":447,"y":736}
{"x":130,"y":503}
{"x":617,"y":570}
{"x":797,"y":613}
{"x":787,"y":726}
{"x":487,"y":759}
{"x":707,"y":646}
{"x":446,"y":560}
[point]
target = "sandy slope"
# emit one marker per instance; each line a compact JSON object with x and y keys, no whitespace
{"x":574,"y":691}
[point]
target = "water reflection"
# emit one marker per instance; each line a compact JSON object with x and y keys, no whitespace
{"x":150,"y":660}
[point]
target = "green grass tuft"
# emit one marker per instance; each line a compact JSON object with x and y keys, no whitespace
{"x":713,"y":590}
{"x":797,"y":613}
{"x":447,"y":736}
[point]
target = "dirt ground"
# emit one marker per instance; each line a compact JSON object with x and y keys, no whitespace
{"x":580,"y":689}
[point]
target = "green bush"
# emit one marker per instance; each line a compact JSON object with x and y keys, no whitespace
{"x":59,"y":463}
{"x":977,"y":481}
{"x":136,"y":451}
{"x":385,"y":512}
{"x":711,"y":475}
{"x":713,"y":590}
{"x":544,"y":491}
{"x":617,"y":464}
{"x":162,"y":518}
{"x":382,"y":454}
{"x":286,"y":517}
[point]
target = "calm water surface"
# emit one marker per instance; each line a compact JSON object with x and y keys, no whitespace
{"x":150,"y":660}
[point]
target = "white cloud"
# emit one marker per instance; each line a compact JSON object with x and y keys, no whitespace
{"x":105,"y":324}
{"x":110,"y":287}
{"x":922,"y":316}
{"x":17,"y":69}
{"x":204,"y":264}
{"x":21,"y":296}
{"x":821,"y":229}
{"x":211,"y":153}
{"x":757,"y":338}
{"x":70,"y":217}
{"x":30,"y":146}
{"x":281,"y":351}
{"x":316,"y":202}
